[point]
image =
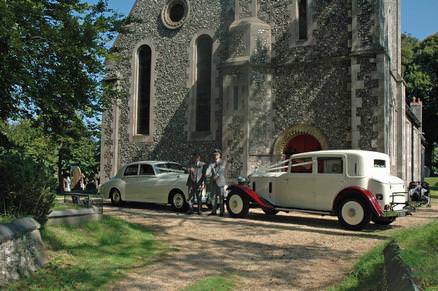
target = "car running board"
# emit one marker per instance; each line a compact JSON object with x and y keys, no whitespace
{"x":303,"y":210}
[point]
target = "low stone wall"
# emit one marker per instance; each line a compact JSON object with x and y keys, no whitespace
{"x":21,"y":250}
{"x":398,"y":276}
{"x":74,"y":216}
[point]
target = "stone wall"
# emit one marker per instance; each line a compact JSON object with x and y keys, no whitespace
{"x":21,"y":250}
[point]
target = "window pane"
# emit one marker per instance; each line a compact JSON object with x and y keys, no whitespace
{"x":146,"y":170}
{"x":204,"y":46}
{"x":131,"y":170}
{"x":144,"y":89}
{"x":303,"y":165}
{"x":379,"y":164}
{"x":330,"y":166}
{"x":302,"y":19}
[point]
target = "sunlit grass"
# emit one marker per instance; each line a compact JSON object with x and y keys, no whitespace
{"x":90,"y":256}
{"x":213,"y":283}
{"x":433,"y":183}
{"x":419,"y":249}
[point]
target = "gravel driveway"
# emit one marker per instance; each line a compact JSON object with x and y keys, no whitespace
{"x":289,"y":251}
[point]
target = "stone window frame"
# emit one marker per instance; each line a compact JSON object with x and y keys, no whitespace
{"x":133,"y":100}
{"x":194,"y":135}
{"x":294,"y":27}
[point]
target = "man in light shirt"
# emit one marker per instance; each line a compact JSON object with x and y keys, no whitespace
{"x":216,"y":170}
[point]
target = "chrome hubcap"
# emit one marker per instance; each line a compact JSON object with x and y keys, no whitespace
{"x":353,"y":213}
{"x":236,"y":204}
{"x":178,"y":200}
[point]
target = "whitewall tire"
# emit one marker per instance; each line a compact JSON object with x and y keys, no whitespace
{"x":116,"y":198}
{"x":354,"y":213}
{"x":237,"y":205}
{"x":178,"y":201}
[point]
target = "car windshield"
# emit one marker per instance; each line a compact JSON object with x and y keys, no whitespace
{"x":169,"y":168}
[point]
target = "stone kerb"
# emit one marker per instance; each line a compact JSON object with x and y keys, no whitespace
{"x":21,"y":250}
{"x":397,"y":274}
{"x":74,"y":216}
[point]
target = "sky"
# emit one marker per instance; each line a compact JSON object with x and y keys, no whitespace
{"x":419,"y":17}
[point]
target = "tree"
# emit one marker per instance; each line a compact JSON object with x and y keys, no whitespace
{"x":420,"y":71}
{"x":52,"y":54}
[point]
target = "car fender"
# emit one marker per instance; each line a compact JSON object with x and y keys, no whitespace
{"x":250,"y":194}
{"x":367,"y":195}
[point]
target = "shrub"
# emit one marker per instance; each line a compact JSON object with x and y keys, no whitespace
{"x":25,"y":186}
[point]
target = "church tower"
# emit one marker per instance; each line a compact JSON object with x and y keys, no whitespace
{"x":247,"y":97}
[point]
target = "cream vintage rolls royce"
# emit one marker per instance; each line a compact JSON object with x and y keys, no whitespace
{"x":149,"y":181}
{"x":354,"y":185}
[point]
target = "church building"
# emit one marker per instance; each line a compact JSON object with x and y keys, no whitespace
{"x":260,"y":79}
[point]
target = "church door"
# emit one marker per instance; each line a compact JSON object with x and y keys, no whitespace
{"x":300,"y":144}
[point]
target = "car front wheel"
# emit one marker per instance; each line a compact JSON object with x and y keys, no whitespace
{"x":178,"y":201}
{"x":354,"y":213}
{"x":116,"y":198}
{"x":237,"y":205}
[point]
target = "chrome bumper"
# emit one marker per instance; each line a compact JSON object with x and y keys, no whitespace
{"x":407,"y":210}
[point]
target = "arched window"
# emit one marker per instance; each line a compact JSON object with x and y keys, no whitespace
{"x":144,"y":55}
{"x":302,"y":19}
{"x":204,"y":48}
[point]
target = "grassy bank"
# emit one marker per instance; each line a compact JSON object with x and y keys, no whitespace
{"x":93,"y":255}
{"x":6,"y":219}
{"x":433,"y":182}
{"x":213,"y":283}
{"x":419,"y":249}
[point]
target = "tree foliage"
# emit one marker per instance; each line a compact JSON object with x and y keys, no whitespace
{"x":51,"y":53}
{"x":51,"y":56}
{"x":420,"y":71}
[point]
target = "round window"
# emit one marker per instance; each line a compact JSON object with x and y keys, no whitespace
{"x":175,"y":13}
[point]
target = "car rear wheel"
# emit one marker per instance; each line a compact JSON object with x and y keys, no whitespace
{"x":354,"y":213}
{"x":237,"y":205}
{"x":116,"y":198}
{"x":178,"y":201}
{"x":384,"y":220}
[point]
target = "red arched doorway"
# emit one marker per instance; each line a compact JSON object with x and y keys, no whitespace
{"x":300,"y":144}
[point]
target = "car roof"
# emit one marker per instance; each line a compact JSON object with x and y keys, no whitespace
{"x":348,"y":152}
{"x":153,"y":163}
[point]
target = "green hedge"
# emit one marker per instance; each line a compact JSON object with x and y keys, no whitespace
{"x":25,"y":186}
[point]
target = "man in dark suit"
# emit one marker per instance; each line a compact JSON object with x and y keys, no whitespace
{"x":195,"y":181}
{"x":217,"y":172}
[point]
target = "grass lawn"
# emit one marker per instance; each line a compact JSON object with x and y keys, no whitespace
{"x":93,"y":255}
{"x":212,"y":283}
{"x":419,"y":249}
{"x":433,"y":182}
{"x":6,"y":219}
{"x":60,"y":205}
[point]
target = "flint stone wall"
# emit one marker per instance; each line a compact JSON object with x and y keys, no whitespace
{"x":21,"y":250}
{"x":332,"y":81}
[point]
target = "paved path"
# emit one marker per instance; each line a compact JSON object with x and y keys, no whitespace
{"x":284,"y":252}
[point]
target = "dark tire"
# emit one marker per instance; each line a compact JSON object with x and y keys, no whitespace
{"x":237,"y":205}
{"x":384,"y":220}
{"x":270,"y":211}
{"x":178,"y":201}
{"x":116,"y":198}
{"x":354,"y":213}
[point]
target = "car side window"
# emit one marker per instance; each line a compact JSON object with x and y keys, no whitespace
{"x":146,"y":169}
{"x":330,"y":165}
{"x":301,"y":165}
{"x":131,"y":170}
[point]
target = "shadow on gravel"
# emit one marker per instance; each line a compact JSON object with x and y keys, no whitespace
{"x":267,"y":224}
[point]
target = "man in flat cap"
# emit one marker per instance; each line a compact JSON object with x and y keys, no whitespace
{"x":216,"y":170}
